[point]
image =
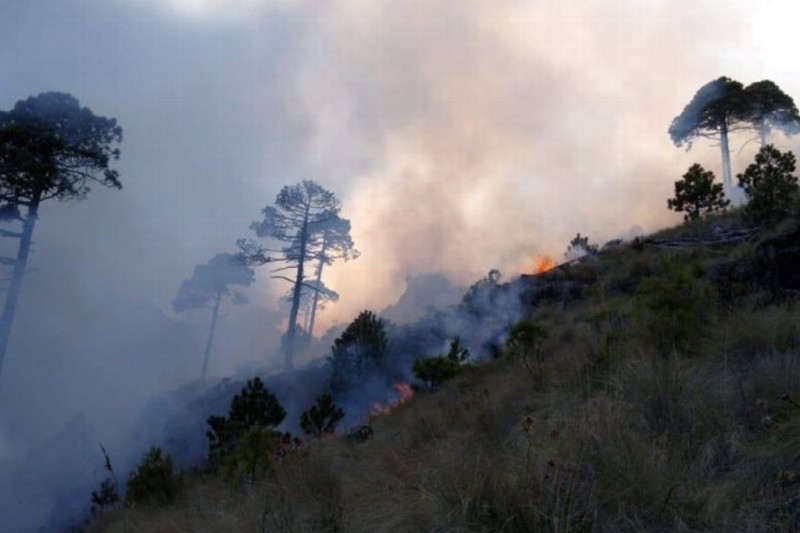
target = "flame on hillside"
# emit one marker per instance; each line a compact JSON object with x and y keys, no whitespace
{"x":404,"y":394}
{"x":543,"y":263}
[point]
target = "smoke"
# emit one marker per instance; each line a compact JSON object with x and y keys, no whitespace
{"x":479,"y":134}
{"x":461,"y":136}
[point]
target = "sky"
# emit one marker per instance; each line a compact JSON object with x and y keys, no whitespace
{"x":460,"y":135}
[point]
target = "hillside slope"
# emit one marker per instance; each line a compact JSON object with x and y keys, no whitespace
{"x":659,"y":390}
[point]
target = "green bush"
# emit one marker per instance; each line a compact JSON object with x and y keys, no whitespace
{"x":696,"y":194}
{"x":322,"y":417}
{"x":436,"y":370}
{"x":525,"y":341}
{"x":252,"y":457}
{"x":153,"y":482}
{"x":579,"y":246}
{"x":358,"y":351}
{"x":770,"y":186}
{"x":106,"y":497}
{"x":254,"y":406}
{"x":674,"y":307}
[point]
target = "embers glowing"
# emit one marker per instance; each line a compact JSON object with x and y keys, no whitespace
{"x":542,"y":263}
{"x":404,"y":393}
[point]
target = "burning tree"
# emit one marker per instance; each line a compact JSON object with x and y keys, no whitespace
{"x":50,"y":148}
{"x":297,"y":224}
{"x":697,"y":194}
{"x":208,"y":286}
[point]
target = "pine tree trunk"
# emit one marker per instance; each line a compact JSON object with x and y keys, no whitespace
{"x":211,"y":333}
{"x":291,"y":332}
{"x":316,"y":292}
{"x":726,"y":157}
{"x":10,"y":306}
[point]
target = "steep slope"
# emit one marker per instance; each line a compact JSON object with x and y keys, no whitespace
{"x":661,"y":393}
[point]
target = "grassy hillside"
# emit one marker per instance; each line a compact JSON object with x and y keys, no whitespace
{"x":660,"y":391}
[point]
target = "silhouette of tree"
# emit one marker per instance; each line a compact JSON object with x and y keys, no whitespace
{"x":209,"y":284}
{"x":290,"y":224}
{"x":50,"y":148}
{"x":697,"y":194}
{"x":770,"y":185}
{"x":717,"y":109}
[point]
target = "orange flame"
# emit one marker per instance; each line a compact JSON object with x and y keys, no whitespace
{"x":543,"y":263}
{"x":405,"y":393}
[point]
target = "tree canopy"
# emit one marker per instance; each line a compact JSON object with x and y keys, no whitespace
{"x":302,"y":226}
{"x":359,"y":350}
{"x":717,"y":105}
{"x":770,"y":185}
{"x":50,"y":148}
{"x":723,"y":106}
{"x":212,"y":280}
{"x":697,"y":194}
{"x":209,"y":284}
{"x":768,"y":107}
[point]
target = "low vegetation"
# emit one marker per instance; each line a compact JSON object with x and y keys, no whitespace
{"x":650,"y":386}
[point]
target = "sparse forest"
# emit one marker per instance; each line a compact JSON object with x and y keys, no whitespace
{"x":650,"y":383}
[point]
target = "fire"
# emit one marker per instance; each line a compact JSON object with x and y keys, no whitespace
{"x":405,"y":391}
{"x":404,"y":394}
{"x":542,"y":263}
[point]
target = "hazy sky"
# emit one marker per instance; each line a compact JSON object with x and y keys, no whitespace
{"x":461,"y":135}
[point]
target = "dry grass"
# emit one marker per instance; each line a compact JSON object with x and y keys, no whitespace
{"x":606,"y":434}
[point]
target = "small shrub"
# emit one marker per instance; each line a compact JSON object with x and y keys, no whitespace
{"x":525,"y":342}
{"x":675,"y":307}
{"x":436,"y":370}
{"x":252,"y":457}
{"x":770,"y":186}
{"x":106,"y":497}
{"x":697,"y":194}
{"x":254,"y":406}
{"x":322,"y":417}
{"x":358,"y":351}
{"x":580,"y":246}
{"x":482,"y":294}
{"x":153,"y":482}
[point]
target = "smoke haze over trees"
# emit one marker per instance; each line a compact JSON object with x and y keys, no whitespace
{"x":306,"y":227}
{"x":496,"y":132}
{"x":723,"y":106}
{"x":50,"y":148}
{"x":207,"y":287}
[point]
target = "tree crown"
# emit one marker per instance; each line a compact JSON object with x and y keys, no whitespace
{"x":769,"y":107}
{"x":770,"y":185}
{"x":212,"y":279}
{"x":51,"y":147}
{"x":697,"y":194}
{"x":718,"y":103}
